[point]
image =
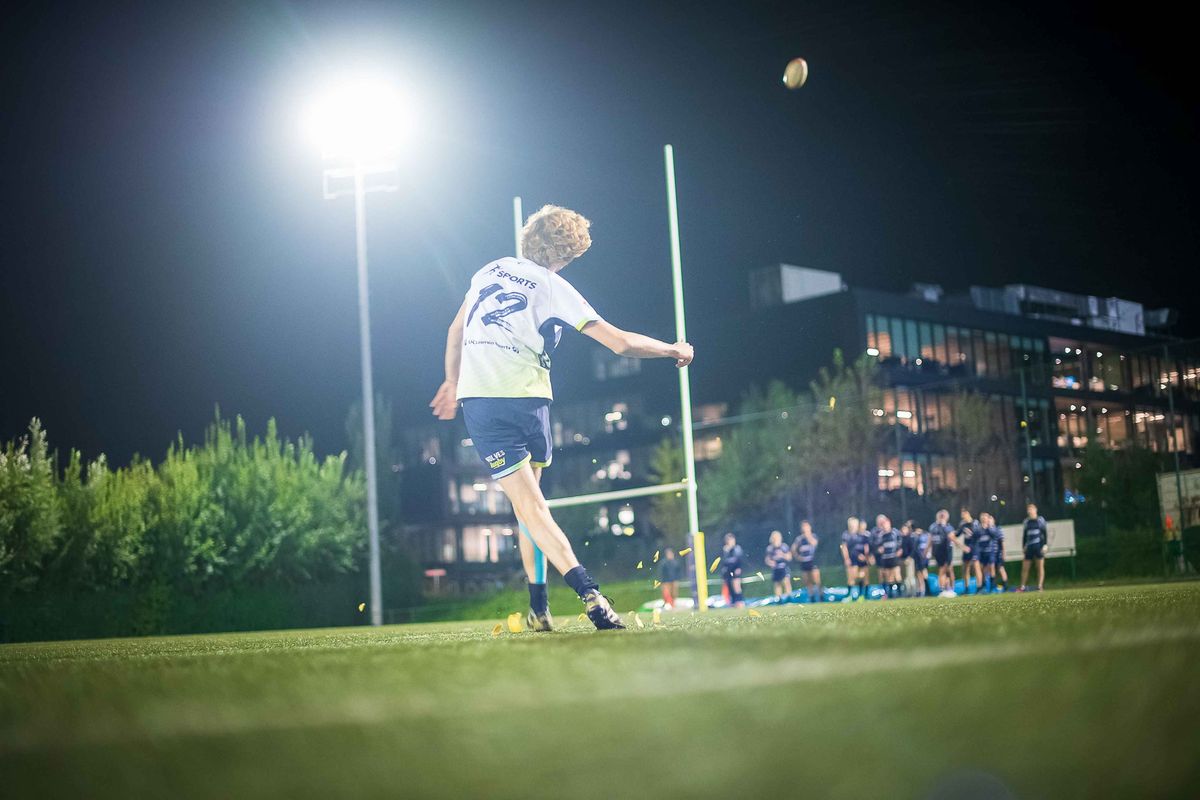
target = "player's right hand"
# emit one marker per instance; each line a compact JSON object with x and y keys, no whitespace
{"x":684,"y":353}
{"x":445,"y":402}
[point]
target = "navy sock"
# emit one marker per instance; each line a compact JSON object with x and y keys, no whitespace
{"x":538,"y":601}
{"x":579,"y":580}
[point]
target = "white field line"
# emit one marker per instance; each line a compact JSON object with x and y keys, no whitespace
{"x":189,"y":719}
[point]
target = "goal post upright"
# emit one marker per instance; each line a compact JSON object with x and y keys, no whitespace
{"x":685,"y":388}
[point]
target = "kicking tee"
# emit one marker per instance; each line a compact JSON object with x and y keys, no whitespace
{"x":516,"y":311}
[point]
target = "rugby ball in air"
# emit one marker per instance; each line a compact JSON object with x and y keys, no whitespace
{"x":796,"y":73}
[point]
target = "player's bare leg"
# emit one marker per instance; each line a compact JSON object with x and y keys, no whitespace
{"x":1041,"y":565}
{"x":1024,"y":574}
{"x":525,"y":494}
{"x":534,"y":562}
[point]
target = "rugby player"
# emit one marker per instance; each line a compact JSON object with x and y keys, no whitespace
{"x":1035,"y":539}
{"x":985,"y":548}
{"x":805,"y":551}
{"x":732,"y":563}
{"x":778,"y":557}
{"x":497,"y":364}
{"x":886,"y":546}
{"x":964,"y":540}
{"x":941,"y":538}
{"x":855,"y":550}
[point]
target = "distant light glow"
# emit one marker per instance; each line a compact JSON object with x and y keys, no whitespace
{"x":904,"y":414}
{"x":359,"y":117}
{"x":872,"y":351}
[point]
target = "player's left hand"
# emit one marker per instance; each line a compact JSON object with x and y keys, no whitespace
{"x":445,"y":402}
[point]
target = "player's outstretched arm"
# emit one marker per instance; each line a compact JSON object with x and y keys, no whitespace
{"x":445,"y":402}
{"x":635,"y":345}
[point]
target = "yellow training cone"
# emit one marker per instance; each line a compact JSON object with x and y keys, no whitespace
{"x":639,"y":566}
{"x":656,"y":617}
{"x":713,"y":567}
{"x":514,"y":623}
{"x":656,"y":552}
{"x":361,"y":606}
{"x":496,"y":630}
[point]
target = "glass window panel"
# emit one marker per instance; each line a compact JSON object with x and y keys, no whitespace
{"x":897,"y":328}
{"x":926,"y":334}
{"x":940,"y":352}
{"x":981,"y":356}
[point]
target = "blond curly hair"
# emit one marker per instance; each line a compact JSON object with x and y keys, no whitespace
{"x":555,"y":234}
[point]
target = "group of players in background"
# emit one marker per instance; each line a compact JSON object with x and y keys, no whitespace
{"x":887,"y":549}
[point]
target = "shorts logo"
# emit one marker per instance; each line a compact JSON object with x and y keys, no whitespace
{"x":495,"y":460}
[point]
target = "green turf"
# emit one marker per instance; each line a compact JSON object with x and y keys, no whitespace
{"x":1071,"y":693}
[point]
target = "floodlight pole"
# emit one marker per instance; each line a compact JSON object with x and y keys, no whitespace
{"x":685,"y":388}
{"x":518,"y":223}
{"x":368,"y":394}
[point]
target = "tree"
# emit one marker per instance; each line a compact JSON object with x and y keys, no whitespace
{"x":973,"y":436}
{"x":790,"y":450}
{"x":845,"y":438}
{"x":1121,"y":485}
{"x":668,"y":512}
{"x":29,"y":509}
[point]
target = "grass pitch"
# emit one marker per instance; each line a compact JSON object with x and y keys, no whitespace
{"x":1088,"y":692}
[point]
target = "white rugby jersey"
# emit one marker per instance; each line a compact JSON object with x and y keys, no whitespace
{"x":516,"y":311}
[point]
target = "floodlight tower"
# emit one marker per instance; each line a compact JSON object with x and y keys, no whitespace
{"x":359,"y":123}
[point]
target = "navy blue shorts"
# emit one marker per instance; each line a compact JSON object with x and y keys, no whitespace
{"x":780,"y":573}
{"x":943,"y":557}
{"x":808,"y":566}
{"x":971,"y":556}
{"x":888,"y":563}
{"x":508,"y":431}
{"x":1034,"y":553}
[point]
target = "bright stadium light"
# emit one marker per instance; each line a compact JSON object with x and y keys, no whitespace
{"x":359,"y":118}
{"x":360,"y":123}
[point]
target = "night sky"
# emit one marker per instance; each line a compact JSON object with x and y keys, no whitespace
{"x":166,"y":247}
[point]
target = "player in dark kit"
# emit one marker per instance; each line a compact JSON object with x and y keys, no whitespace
{"x":1001,"y":571}
{"x":1035,"y":539}
{"x":805,"y":551}
{"x":985,"y":545}
{"x":732,"y":563}
{"x":497,"y":363}
{"x":885,"y":543}
{"x":941,"y":537}
{"x":856,"y":547}
{"x":920,"y":556}
{"x":669,"y":573}
{"x":779,"y":555}
{"x":964,"y":540}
